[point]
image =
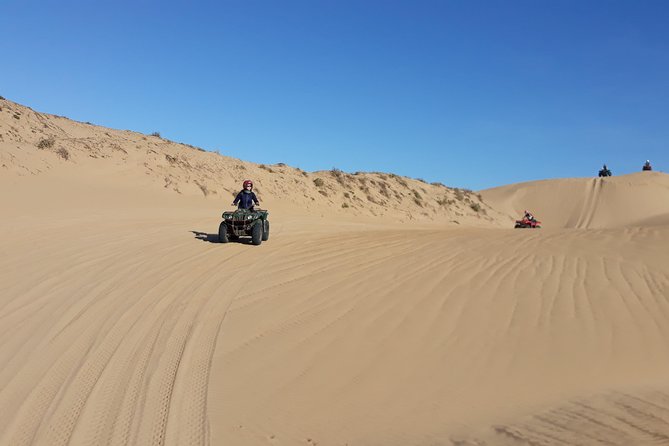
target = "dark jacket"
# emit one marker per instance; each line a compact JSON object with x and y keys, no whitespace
{"x":246,"y":199}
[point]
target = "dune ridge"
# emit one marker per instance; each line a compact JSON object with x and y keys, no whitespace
{"x":36,"y":143}
{"x":124,"y":322}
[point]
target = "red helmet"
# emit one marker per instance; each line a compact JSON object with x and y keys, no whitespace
{"x":247,"y":183}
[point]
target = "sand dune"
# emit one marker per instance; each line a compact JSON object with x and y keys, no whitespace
{"x":638,"y":199}
{"x":122,"y":322}
{"x":34,"y":144}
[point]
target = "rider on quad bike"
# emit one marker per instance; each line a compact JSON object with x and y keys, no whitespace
{"x":646,"y":166}
{"x":528,"y":221}
{"x":605,"y":171}
{"x":246,"y":197}
{"x":246,"y":220}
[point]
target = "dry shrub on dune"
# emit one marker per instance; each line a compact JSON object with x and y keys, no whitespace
{"x":46,"y":143}
{"x":63,"y":153}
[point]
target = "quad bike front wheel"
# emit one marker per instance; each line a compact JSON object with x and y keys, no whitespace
{"x":265,"y":231}
{"x":257,"y":233}
{"x":223,"y":233}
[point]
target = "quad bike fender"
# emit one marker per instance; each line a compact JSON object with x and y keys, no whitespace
{"x":255,"y":222}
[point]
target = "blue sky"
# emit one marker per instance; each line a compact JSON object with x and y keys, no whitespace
{"x":468,"y":93}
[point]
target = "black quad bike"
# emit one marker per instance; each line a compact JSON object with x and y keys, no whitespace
{"x":244,"y":223}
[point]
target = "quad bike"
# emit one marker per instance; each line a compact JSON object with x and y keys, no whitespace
{"x":646,"y":167}
{"x":527,"y":223}
{"x":605,"y":172}
{"x":244,"y":223}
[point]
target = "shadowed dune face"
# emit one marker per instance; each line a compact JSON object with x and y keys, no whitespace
{"x":121,"y":323}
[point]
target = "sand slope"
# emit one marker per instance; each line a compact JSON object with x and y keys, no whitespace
{"x":123,"y":323}
{"x":33,"y":144}
{"x":638,"y":199}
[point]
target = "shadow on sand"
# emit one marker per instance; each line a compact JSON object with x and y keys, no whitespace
{"x":213,"y":238}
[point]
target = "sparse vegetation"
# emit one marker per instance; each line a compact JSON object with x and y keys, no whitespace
{"x":16,"y":116}
{"x":322,"y":192}
{"x":63,"y":153}
{"x":421,"y":180}
{"x":459,"y":194}
{"x":2,"y":98}
{"x":264,"y":167}
{"x":318,"y":182}
{"x":347,"y":195}
{"x":438,"y":184}
{"x":345,"y":205}
{"x":156,"y":134}
{"x":417,"y":197}
{"x":45,"y":143}
{"x":445,"y":201}
{"x":476,"y":207}
{"x":281,"y":164}
{"x":339,"y":175}
{"x":384,"y":190}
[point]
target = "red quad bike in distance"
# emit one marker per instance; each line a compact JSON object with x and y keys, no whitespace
{"x":527,"y":223}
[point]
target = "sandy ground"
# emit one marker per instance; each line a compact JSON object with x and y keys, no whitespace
{"x":123,"y":322}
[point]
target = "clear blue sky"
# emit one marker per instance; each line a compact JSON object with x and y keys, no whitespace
{"x":469,"y":93}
